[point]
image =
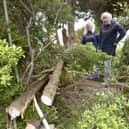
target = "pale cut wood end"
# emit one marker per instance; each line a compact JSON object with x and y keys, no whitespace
{"x":46,"y":100}
{"x":13,"y":112}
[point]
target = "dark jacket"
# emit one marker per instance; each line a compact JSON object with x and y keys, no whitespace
{"x":109,"y":37}
{"x":90,"y":37}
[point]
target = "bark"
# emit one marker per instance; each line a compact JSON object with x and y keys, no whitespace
{"x":65,"y":37}
{"x":119,"y":85}
{"x":40,"y":113}
{"x":18,"y":106}
{"x":52,"y":126}
{"x":36,"y":124}
{"x":50,"y":89}
{"x":71,"y":33}
{"x":46,"y":71}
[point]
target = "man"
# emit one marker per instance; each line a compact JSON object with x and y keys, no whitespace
{"x":110,"y":35}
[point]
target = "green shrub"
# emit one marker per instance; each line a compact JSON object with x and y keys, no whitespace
{"x":106,"y":116}
{"x":125,"y":56}
{"x":80,"y":59}
{"x":85,"y":57}
{"x":9,"y":57}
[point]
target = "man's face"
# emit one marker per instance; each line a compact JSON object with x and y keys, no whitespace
{"x":106,"y":20}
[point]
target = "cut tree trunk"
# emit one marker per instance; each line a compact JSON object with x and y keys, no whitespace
{"x":52,"y":126}
{"x":50,"y":89}
{"x":19,"y":105}
{"x":36,"y":124}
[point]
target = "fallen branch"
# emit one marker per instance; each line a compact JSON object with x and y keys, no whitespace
{"x":31,"y":50}
{"x":50,"y":89}
{"x":19,"y":106}
{"x":52,"y":126}
{"x":43,"y":72}
{"x":26,"y":70}
{"x":119,"y":85}
{"x":28,"y":35}
{"x":31,"y":67}
{"x":40,"y":113}
{"x":34,"y":124}
{"x":42,"y":48}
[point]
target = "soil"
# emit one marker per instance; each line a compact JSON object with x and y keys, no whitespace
{"x":84,"y":92}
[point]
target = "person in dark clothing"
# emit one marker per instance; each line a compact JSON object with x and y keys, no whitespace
{"x":90,"y":35}
{"x":110,"y":34}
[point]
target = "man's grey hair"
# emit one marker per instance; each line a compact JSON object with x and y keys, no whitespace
{"x":106,"y":14}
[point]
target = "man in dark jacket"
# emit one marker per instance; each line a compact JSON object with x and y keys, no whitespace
{"x":110,"y":35}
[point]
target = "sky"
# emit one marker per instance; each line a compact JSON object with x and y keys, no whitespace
{"x":77,"y":25}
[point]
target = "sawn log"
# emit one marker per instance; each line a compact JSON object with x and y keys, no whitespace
{"x":18,"y":106}
{"x":49,"y":91}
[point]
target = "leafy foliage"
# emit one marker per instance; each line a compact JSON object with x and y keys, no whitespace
{"x":50,"y":15}
{"x":9,"y":55}
{"x":121,"y":10}
{"x":123,"y":65}
{"x":81,"y":59}
{"x":8,"y":85}
{"x":84,"y":57}
{"x":9,"y":58}
{"x":106,"y":116}
{"x":54,"y":9}
{"x":17,"y":37}
{"x":48,"y":57}
{"x":125,"y":57}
